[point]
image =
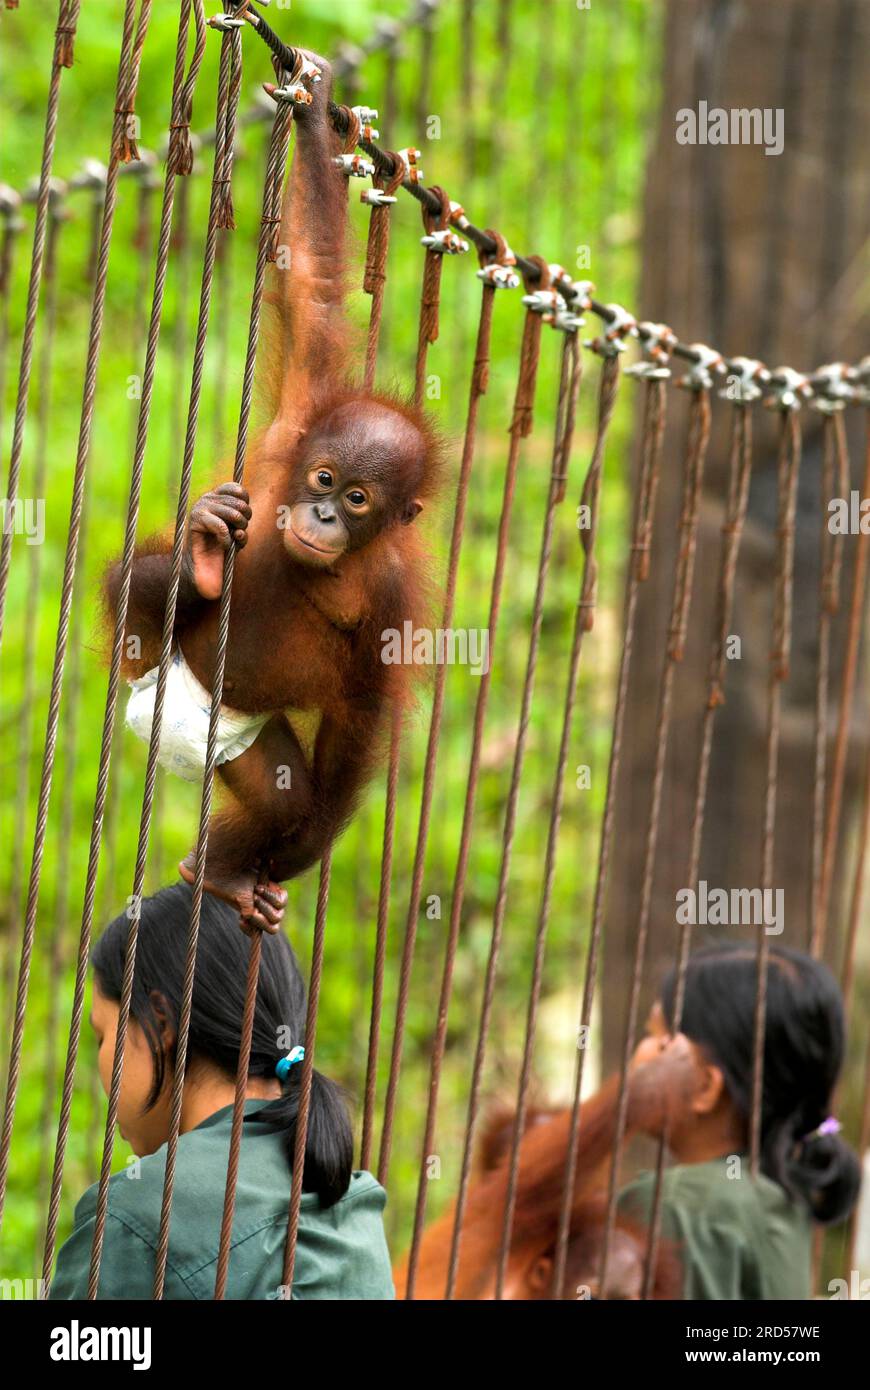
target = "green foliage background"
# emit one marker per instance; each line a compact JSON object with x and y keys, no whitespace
{"x":548,"y":146}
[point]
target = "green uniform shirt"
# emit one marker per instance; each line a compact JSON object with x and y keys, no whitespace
{"x":341,"y":1251}
{"x":737,"y":1238}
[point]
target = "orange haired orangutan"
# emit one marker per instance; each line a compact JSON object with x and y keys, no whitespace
{"x":327,"y":562}
{"x":543,"y":1156}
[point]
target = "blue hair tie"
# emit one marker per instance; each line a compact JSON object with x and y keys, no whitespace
{"x":282,"y":1068}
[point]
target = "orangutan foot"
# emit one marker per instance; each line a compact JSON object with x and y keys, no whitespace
{"x":259,"y":902}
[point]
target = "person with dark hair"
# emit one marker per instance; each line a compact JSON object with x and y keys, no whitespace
{"x":341,"y":1250}
{"x":740,"y":1237}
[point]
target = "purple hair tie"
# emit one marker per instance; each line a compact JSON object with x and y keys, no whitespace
{"x":828,"y":1126}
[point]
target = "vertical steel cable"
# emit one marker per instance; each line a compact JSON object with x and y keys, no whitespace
{"x":739,"y":476}
{"x":787,"y":468}
{"x":277,"y":161}
{"x":307,"y":1071}
{"x":847,"y":696}
{"x":143,"y":247}
{"x":847,"y":985}
{"x":479,"y":382}
{"x":131,"y":53}
{"x":180,"y":244}
{"x":655,"y":405}
{"x":521,"y":425}
{"x":143,"y":243}
{"x":61,"y":917}
{"x":224,"y":270}
{"x":699,"y":434}
{"x":69,"y":736}
{"x":834,"y":483}
{"x":181,"y":248}
{"x":847,"y":973}
{"x":862,"y":1146}
{"x":110,"y":857}
{"x":847,"y":976}
{"x":569,"y":386}
{"x":64,"y":39}
{"x":242,"y":1072}
{"x":24,"y":733}
{"x":381,"y":942}
{"x":123,"y":109}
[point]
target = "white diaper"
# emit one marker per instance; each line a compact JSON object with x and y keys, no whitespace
{"x":186,"y":713}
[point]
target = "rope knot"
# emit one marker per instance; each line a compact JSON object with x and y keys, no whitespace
{"x":126,"y":135}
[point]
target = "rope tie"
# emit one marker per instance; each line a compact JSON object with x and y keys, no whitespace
{"x":226,"y":220}
{"x":480,"y":369}
{"x":124,"y":147}
{"x":65,"y":33}
{"x":270,"y":220}
{"x":530,"y":352}
{"x":354,"y":127}
{"x":180,"y":155}
{"x":375,"y":273}
{"x":377,"y":246}
{"x":430,"y":293}
{"x":430,"y":297}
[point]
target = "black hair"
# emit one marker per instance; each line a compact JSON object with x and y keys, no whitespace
{"x":803,"y":1053}
{"x":216,"y":1018}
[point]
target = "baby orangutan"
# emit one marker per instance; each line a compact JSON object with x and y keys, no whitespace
{"x":654,"y":1089}
{"x":327,"y":561}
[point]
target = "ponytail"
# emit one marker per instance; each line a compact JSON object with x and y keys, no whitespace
{"x":825,"y":1173}
{"x":328,"y":1141}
